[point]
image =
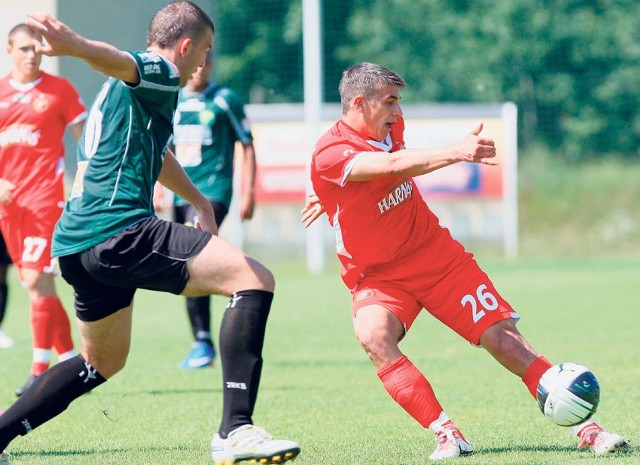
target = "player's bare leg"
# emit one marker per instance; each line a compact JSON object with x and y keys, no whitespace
{"x":106,"y":343}
{"x":221,"y":268}
{"x":379,"y":332}
{"x":503,"y":341}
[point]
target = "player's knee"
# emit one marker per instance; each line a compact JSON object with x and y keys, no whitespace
{"x":377,"y":330}
{"x":106,"y":364}
{"x":265,"y":277}
{"x":268,"y":280}
{"x":502,"y":337}
{"x":371,"y":339}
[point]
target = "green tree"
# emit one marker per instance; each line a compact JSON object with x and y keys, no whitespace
{"x":568,"y":65}
{"x":259,"y":49}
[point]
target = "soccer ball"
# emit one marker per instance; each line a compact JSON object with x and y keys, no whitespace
{"x":568,"y":394}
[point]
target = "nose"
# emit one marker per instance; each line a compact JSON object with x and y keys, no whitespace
{"x":397,"y":110}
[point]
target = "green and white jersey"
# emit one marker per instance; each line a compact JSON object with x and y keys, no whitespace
{"x":206,"y":127}
{"x":119,"y":156}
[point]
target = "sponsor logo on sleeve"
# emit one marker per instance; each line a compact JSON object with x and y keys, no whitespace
{"x":150,"y":57}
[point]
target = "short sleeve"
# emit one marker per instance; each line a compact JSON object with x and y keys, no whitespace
{"x":231,"y":103}
{"x":334,"y":162}
{"x":74,"y":110}
{"x":158,"y":76}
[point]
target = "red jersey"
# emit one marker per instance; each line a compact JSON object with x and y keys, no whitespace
{"x":375,"y":221}
{"x":33,"y":118}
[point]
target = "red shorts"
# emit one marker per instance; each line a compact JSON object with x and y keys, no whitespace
{"x":28,"y":233}
{"x":440,"y":277}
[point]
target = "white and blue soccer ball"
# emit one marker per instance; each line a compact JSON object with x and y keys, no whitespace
{"x":568,"y":394}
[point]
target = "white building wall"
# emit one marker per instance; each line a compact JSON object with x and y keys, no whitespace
{"x":14,"y":12}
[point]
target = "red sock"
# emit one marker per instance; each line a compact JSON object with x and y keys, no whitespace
{"x":533,"y":374}
{"x":411,"y":390}
{"x":61,"y":327}
{"x":41,"y":324}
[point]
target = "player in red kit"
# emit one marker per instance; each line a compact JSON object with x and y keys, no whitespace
{"x":35,"y":109}
{"x":397,"y":260}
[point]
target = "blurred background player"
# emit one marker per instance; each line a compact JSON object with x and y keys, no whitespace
{"x":5,"y":341}
{"x":209,"y":120}
{"x":397,"y":260}
{"x":35,"y":109}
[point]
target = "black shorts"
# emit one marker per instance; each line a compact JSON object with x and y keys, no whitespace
{"x":151,"y":254}
{"x":184,"y":214}
{"x":5,"y":260}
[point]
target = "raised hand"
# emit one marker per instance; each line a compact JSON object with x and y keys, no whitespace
{"x":60,"y":38}
{"x":478,"y":149}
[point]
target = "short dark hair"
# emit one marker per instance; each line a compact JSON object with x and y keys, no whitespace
{"x":24,"y":28}
{"x":176,"y":20}
{"x":366,"y":79}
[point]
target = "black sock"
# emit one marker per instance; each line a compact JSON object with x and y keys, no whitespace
{"x":241,"y":339}
{"x":200,"y":318}
{"x":50,"y":395}
{"x":4,"y":295}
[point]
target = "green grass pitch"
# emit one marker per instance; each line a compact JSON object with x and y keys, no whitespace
{"x":319,"y":389}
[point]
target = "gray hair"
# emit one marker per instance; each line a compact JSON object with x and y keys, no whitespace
{"x":366,"y":79}
{"x":176,"y":20}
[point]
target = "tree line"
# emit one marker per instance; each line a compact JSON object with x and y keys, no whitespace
{"x":571,"y":66}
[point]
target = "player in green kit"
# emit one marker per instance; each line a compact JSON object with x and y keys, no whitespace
{"x":209,"y":120}
{"x":109,"y":242}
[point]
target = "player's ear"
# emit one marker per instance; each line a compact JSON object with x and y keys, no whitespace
{"x":358,"y":103}
{"x":184,"y":45}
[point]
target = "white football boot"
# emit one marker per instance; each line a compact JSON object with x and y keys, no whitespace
{"x":598,"y":440}
{"x":451,"y":443}
{"x":250,"y":442}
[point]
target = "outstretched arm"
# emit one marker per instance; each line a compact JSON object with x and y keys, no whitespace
{"x":61,"y":40}
{"x":410,"y":162}
{"x":417,"y":161}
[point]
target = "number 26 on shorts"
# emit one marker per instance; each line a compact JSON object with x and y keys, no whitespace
{"x":480,"y":303}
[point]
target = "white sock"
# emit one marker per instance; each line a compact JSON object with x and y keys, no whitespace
{"x":436,"y":425}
